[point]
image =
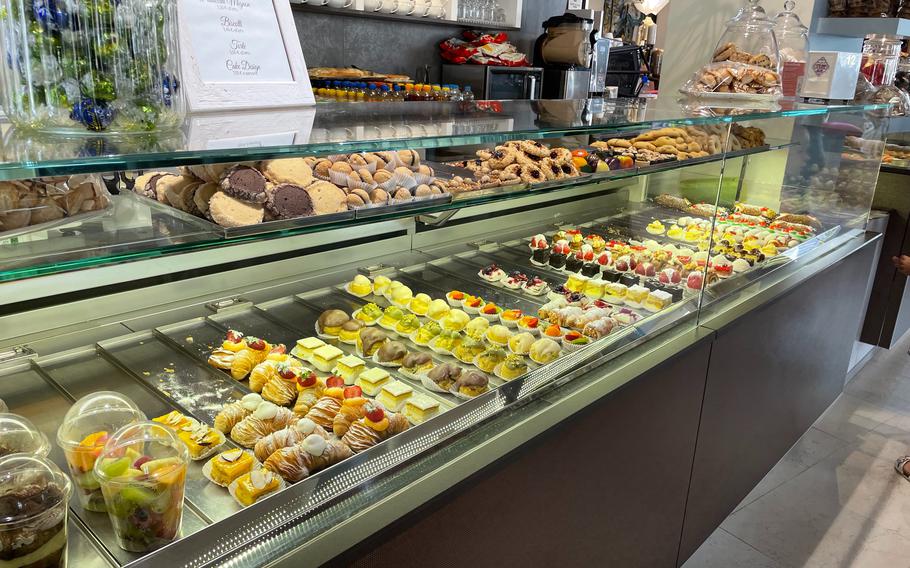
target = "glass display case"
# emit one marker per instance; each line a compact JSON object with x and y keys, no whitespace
{"x":411,"y":279}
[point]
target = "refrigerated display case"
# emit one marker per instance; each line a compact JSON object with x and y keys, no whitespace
{"x":664,"y":229}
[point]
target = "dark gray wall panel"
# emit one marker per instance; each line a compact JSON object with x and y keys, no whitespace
{"x":595,"y":491}
{"x":772,"y":373}
{"x":398,"y":47}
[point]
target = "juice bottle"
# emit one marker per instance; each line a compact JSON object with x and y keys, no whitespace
{"x":427,"y":93}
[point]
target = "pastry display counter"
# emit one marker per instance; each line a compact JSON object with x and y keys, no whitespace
{"x":253,"y":298}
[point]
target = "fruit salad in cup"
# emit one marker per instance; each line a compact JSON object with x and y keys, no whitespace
{"x":142,"y":473}
{"x":81,"y":461}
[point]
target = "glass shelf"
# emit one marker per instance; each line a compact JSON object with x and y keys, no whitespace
{"x":136,"y":228}
{"x":351,"y":127}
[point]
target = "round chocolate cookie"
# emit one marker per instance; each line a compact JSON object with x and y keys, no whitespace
{"x":287,"y":201}
{"x":246,"y":183}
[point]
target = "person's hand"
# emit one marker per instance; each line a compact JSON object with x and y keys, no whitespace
{"x":902,"y":264}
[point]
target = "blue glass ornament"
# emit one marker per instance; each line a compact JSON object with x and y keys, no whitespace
{"x":49,"y":14}
{"x":96,"y":116}
{"x":169,"y":87}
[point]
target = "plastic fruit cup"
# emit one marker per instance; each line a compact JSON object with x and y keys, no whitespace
{"x":142,"y":472}
{"x":34,"y":494}
{"x":18,"y":435}
{"x":85,"y":429}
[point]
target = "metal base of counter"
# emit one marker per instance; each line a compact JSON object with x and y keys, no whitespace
{"x":643,"y":476}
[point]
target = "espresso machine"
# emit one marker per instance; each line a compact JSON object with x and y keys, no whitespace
{"x":574,"y":55}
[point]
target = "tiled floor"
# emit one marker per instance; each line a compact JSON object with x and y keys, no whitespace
{"x":834,"y":501}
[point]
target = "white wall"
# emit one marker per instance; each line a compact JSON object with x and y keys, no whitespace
{"x":691,"y":29}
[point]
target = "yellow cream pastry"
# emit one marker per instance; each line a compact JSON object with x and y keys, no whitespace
{"x":408,"y":324}
{"x":468,"y":350}
{"x":390,"y":317}
{"x":325,"y":357}
{"x":420,"y":408}
{"x":769,"y":250}
{"x":675,"y":232}
{"x":306,"y":346}
{"x":544,"y":351}
{"x":426,"y":333}
{"x":614,"y":292}
{"x":489,"y":359}
{"x":521,"y":343}
{"x":636,"y":295}
{"x":513,"y":367}
{"x":594,"y":289}
{"x":369,"y":314}
{"x":393,"y":285}
{"x":576,"y":282}
{"x":438,"y":309}
{"x":360,"y":286}
{"x":447,"y":341}
{"x":348,"y":368}
{"x":477,"y":327}
{"x":250,"y":487}
{"x":455,"y":320}
{"x":330,"y":322}
{"x":658,"y":300}
{"x":371,"y":380}
{"x":200,"y":439}
{"x":350,"y":330}
{"x":393,"y":395}
{"x":498,"y":335}
{"x":401,"y":297}
{"x":655,"y":227}
{"x":420,"y":304}
{"x":228,"y":466}
{"x":381,"y":285}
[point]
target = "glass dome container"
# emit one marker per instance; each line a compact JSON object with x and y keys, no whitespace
{"x":793,"y":43}
{"x":749,"y":38}
{"x":81,"y":67}
{"x":34,"y":495}
{"x":19,"y":436}
{"x":86,"y":428}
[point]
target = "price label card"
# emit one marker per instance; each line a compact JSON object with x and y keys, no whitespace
{"x":241,"y":54}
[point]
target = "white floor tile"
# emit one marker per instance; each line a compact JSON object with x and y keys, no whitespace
{"x":723,"y":550}
{"x":850,"y":417}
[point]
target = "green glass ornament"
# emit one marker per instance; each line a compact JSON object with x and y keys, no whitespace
{"x":109,"y":46}
{"x":105,"y":90}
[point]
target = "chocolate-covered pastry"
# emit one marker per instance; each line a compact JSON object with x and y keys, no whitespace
{"x":244,"y":182}
{"x":392,"y":352}
{"x":445,"y":375}
{"x":541,"y":256}
{"x":288,"y":201}
{"x":415,"y":360}
{"x":557,"y":260}
{"x":330,"y":321}
{"x":370,"y":340}
{"x":574,"y":264}
{"x":628,"y":279}
{"x":590,"y":269}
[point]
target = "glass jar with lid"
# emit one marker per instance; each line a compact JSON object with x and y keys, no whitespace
{"x":108,"y":66}
{"x":881,"y":55}
{"x":749,"y":38}
{"x":793,"y":43}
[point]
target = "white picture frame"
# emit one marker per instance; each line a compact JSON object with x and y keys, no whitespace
{"x":207,"y":95}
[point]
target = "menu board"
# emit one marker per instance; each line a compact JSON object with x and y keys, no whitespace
{"x":241,"y":40}
{"x":241,"y":54}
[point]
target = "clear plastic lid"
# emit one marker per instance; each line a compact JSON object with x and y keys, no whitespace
{"x":31,"y":487}
{"x":103,"y":411}
{"x":19,"y":435}
{"x":749,"y":35}
{"x":146,"y":451}
{"x":792,"y":36}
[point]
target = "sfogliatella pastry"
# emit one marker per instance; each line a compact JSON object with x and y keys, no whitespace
{"x":267,"y":418}
{"x":282,"y":387}
{"x":324,"y":410}
{"x":374,"y":427}
{"x":310,"y":389}
{"x":293,"y":434}
{"x":314,"y":454}
{"x":352,"y":409}
{"x":234,"y":412}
